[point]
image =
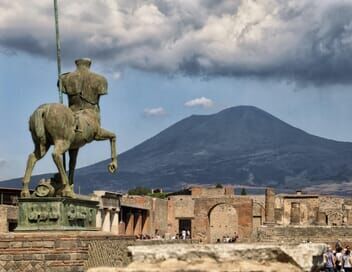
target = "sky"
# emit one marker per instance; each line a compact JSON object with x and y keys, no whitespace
{"x":166,"y":60}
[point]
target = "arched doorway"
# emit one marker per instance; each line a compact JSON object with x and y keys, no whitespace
{"x":223,"y":221}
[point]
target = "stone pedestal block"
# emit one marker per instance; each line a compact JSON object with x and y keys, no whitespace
{"x":56,"y":213}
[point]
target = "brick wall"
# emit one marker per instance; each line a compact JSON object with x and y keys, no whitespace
{"x":207,"y":192}
{"x":291,"y":234}
{"x":202,"y":209}
{"x":159,"y":211}
{"x":135,"y":201}
{"x":61,"y":252}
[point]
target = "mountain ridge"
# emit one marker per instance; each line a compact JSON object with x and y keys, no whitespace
{"x":238,"y":145}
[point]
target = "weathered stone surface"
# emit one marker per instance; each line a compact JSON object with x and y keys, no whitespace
{"x":56,"y":213}
{"x":222,"y":257}
{"x":269,"y":206}
{"x":299,"y":234}
{"x":62,"y":251}
{"x":304,"y":254}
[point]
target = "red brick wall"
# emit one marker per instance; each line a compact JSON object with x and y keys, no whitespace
{"x":61,"y":252}
{"x":202,"y":207}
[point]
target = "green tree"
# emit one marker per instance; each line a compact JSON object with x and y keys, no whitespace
{"x":158,"y":195}
{"x":218,"y":185}
{"x":243,"y":191}
{"x":139,"y":190}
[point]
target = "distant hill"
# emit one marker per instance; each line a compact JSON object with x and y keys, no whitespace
{"x":239,"y":145}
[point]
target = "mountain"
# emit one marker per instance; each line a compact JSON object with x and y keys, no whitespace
{"x":239,"y":145}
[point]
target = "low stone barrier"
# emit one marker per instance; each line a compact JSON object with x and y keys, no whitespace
{"x":299,"y":234}
{"x":62,"y":251}
{"x":222,"y":257}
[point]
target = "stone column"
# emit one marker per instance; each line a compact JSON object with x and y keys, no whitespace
{"x":107,"y":221}
{"x":295,"y":213}
{"x":4,"y":226}
{"x":130,"y":224}
{"x":269,"y":206}
{"x":98,"y":218}
{"x":115,"y":223}
{"x":122,"y":228}
{"x":349,"y":217}
{"x":146,"y":224}
{"x":138,"y":227}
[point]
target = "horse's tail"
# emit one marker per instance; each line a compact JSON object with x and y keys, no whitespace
{"x":36,"y":124}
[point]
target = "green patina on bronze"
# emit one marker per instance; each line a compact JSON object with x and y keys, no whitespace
{"x":56,"y":213}
{"x":54,"y":205}
{"x":69,"y":128}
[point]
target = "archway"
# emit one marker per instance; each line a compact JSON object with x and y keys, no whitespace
{"x":223,"y":221}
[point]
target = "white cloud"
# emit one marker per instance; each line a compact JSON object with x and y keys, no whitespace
{"x":154,"y":112}
{"x":306,"y":40}
{"x":200,"y":102}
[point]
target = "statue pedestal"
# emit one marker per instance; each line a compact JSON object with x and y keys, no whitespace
{"x":56,"y":213}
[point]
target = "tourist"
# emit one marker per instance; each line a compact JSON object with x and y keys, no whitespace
{"x":224,"y":239}
{"x":234,"y":238}
{"x":329,"y":260}
{"x":188,"y":233}
{"x":338,"y":259}
{"x":347,"y":261}
{"x":183,"y":233}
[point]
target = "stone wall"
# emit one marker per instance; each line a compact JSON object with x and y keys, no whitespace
{"x":159,"y":211}
{"x":179,"y":206}
{"x":223,"y":257}
{"x":202,"y":209}
{"x":154,"y":216}
{"x":183,"y":205}
{"x":298,"y":234}
{"x":211,"y":192}
{"x":135,"y":201}
{"x":334,"y":210}
{"x":308,"y":210}
{"x":61,"y":252}
{"x":8,"y":215}
{"x":3,"y":219}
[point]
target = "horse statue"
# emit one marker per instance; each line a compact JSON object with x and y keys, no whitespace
{"x":69,"y":128}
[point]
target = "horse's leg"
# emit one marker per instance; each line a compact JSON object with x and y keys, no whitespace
{"x":60,"y":148}
{"x":38,"y":153}
{"x":102,"y":135}
{"x":73,"y":159}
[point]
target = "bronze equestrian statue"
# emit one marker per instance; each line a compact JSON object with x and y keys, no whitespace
{"x":70,"y":128}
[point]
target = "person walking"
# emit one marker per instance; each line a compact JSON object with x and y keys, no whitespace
{"x":347,"y":261}
{"x":338,"y":259}
{"x":329,"y":260}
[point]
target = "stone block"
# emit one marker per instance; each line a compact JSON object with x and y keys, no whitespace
{"x":6,"y":257}
{"x":45,"y":244}
{"x":56,"y":213}
{"x":4,"y":244}
{"x":15,"y":244}
{"x":27,"y":244}
{"x":18,"y":257}
{"x":69,"y":244}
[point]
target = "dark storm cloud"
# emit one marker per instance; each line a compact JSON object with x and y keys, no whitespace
{"x":302,"y":41}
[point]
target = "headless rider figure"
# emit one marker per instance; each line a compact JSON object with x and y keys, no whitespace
{"x":83,"y":89}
